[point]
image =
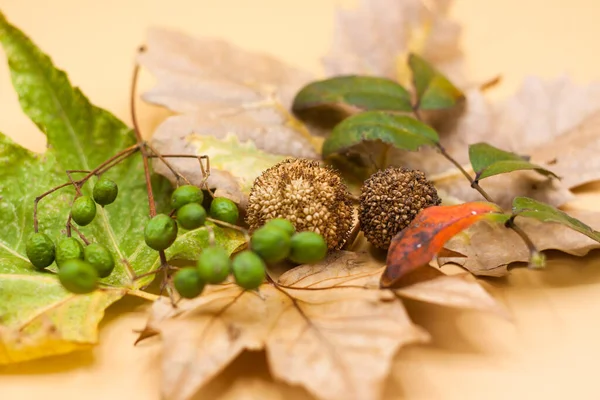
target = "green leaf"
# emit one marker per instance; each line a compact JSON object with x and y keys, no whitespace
{"x":530,"y":208}
{"x":488,"y":160}
{"x":357,"y":93}
{"x":400,"y":131}
{"x":434,"y":90}
{"x":37,"y":316}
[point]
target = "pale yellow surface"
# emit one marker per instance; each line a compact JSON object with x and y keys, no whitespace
{"x":550,"y":351}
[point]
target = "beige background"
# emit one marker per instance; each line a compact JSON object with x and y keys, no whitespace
{"x":551,"y":351}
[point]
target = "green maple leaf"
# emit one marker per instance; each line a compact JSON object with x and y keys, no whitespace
{"x":37,"y":316}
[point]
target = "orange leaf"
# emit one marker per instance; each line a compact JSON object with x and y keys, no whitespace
{"x":416,"y":245}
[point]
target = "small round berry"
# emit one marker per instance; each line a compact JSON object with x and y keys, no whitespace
{"x":160,"y":232}
{"x":187,"y":282}
{"x":307,"y":248}
{"x":186,"y":194}
{"x":83,"y":210}
{"x":78,"y":276}
{"x":191,"y":216}
{"x":99,"y":257}
{"x":282,"y":224}
{"x":271,"y":243}
{"x":105,"y":191}
{"x":224,"y":210}
{"x":68,"y":249}
{"x":249,"y":270}
{"x":214,"y":265}
{"x":40,"y":250}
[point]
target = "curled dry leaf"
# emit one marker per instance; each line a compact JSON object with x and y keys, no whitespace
{"x":327,"y":327}
{"x":488,"y":249}
{"x":376,"y":37}
{"x":221,"y":90}
{"x":416,"y":245}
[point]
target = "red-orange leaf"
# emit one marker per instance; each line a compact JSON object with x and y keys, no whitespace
{"x":416,"y":245}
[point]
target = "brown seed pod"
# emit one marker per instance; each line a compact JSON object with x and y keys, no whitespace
{"x":390,"y":200}
{"x":311,"y":196}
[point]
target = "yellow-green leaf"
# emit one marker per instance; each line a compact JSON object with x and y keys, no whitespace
{"x":434,"y":90}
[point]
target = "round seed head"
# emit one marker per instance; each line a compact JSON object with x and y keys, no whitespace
{"x":312,"y":197}
{"x":390,"y":200}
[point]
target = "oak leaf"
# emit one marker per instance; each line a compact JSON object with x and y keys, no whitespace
{"x":327,"y":327}
{"x":220,"y":90}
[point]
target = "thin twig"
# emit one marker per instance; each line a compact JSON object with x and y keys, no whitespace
{"x":162,"y":158}
{"x":228,"y":225}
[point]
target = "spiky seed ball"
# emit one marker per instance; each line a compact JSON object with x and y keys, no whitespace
{"x":390,"y":200}
{"x":310,"y":196}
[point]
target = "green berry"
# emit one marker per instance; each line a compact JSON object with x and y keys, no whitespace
{"x":307,"y":248}
{"x":68,"y":249}
{"x":214,"y":265}
{"x":249,"y":270}
{"x":187,"y":282}
{"x":78,"y":276}
{"x":186,"y":194}
{"x":99,"y":257}
{"x":271,"y":243}
{"x":282,"y":224}
{"x":40,"y":250}
{"x":191,"y":216}
{"x":160,"y":232}
{"x":224,"y":210}
{"x":83,"y":210}
{"x":105,"y":191}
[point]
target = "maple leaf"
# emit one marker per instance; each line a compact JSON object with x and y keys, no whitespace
{"x":38,"y":317}
{"x":222,"y":91}
{"x":552,"y":121}
{"x":327,"y":327}
{"x":488,"y":249}
{"x":377,"y":36}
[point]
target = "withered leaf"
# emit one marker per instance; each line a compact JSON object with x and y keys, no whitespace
{"x":350,"y":332}
{"x":489,"y":249}
{"x":377,"y":36}
{"x":457,"y":291}
{"x":202,"y":336}
{"x":416,"y":245}
{"x":555,"y":122}
{"x":327,"y":327}
{"x":221,"y":90}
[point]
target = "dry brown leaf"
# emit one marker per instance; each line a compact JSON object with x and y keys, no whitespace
{"x":223,"y":91}
{"x":201,"y":337}
{"x":336,"y":340}
{"x":489,"y":249}
{"x":327,"y":327}
{"x":458,"y":291}
{"x":376,"y":37}
{"x":556,"y":122}
{"x":252,"y":389}
{"x":574,"y":155}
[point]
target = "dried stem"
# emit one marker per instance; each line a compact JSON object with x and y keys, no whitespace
{"x":162,"y":158}
{"x":228,"y":225}
{"x":81,"y":235}
{"x":475,"y":185}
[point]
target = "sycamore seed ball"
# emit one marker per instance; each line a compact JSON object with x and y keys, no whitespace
{"x":390,"y":200}
{"x":312,"y":197}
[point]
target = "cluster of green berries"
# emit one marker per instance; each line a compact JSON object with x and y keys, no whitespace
{"x":79,"y":267}
{"x":274,"y":242}
{"x":161,"y":231}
